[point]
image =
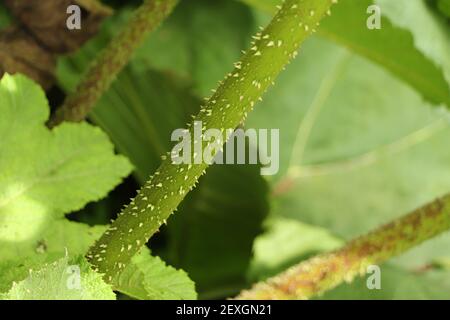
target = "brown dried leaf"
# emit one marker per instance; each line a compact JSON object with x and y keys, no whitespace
{"x":31,"y":48}
{"x":20,"y":53}
{"x":46,"y":20}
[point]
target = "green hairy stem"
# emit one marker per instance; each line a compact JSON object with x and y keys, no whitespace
{"x":112,"y":60}
{"x":271,"y":51}
{"x":324,"y":272}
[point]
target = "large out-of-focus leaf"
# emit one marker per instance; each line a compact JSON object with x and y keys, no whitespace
{"x":416,"y":57}
{"x":356,"y":150}
{"x":201,"y":41}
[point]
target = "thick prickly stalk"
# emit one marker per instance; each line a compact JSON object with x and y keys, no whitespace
{"x":271,"y":51}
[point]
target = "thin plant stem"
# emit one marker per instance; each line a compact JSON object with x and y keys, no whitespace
{"x":112,"y":60}
{"x":324,"y":272}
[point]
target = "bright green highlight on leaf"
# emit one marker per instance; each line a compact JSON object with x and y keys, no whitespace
{"x":47,"y":174}
{"x":61,"y":280}
{"x":59,"y":238}
{"x":107,"y":65}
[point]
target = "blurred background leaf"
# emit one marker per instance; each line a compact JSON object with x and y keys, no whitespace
{"x":212,"y":235}
{"x":402,"y":45}
{"x":369,"y":145}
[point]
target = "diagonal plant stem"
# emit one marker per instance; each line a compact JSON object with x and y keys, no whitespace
{"x":112,"y":60}
{"x":326,"y":271}
{"x":271,"y":51}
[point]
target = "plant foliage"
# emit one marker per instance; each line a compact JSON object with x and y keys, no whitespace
{"x":364,"y":133}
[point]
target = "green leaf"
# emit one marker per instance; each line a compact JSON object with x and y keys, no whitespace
{"x":149,"y":278}
{"x":392,"y":47}
{"x":59,"y":238}
{"x":431,"y":34}
{"x":356,"y":150}
{"x":62,"y":280}
{"x":47,"y":173}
